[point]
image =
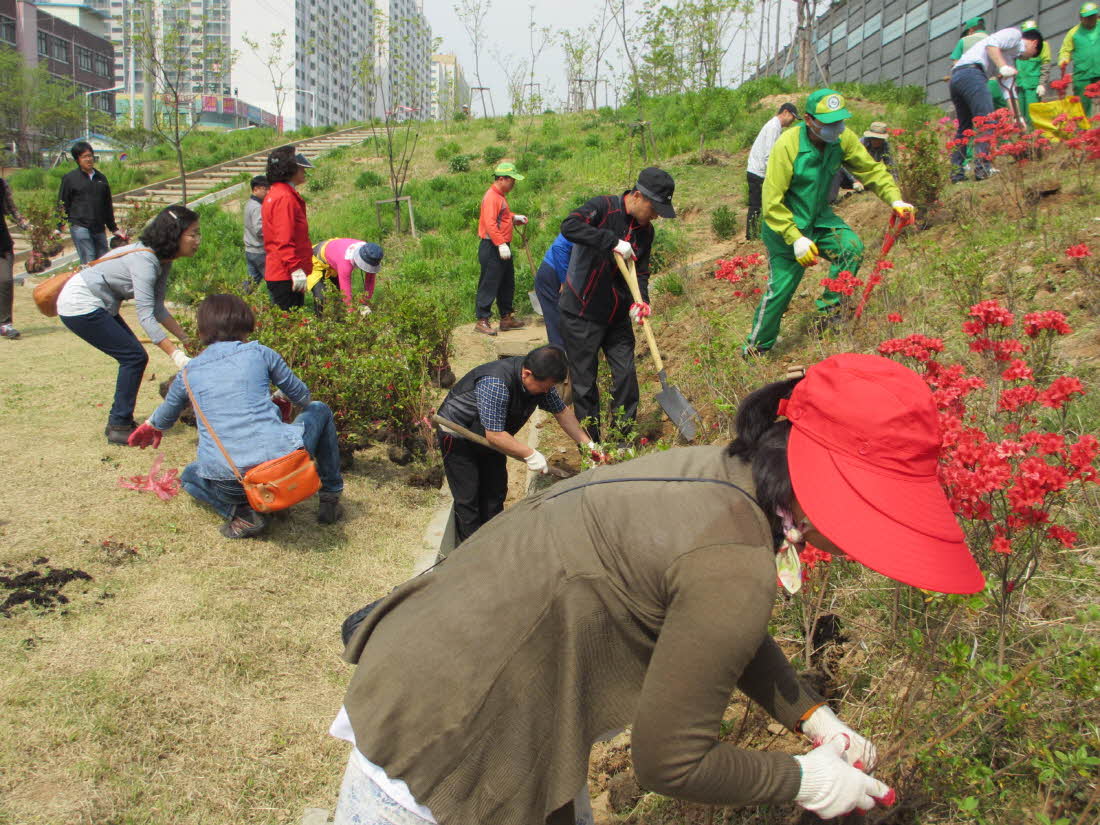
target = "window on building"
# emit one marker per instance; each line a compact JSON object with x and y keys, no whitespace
{"x":43,"y":44}
{"x":7,"y":29}
{"x":103,"y":66}
{"x":83,"y":59}
{"x":59,"y":49}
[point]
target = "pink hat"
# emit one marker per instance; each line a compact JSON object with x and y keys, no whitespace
{"x":863,"y":453}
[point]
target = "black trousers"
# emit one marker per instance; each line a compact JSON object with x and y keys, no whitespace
{"x":583,"y":341}
{"x":752,"y":217}
{"x":497,"y":281}
{"x":283,"y":295}
{"x":478,"y":478}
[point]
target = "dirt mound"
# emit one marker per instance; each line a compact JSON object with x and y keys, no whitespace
{"x":41,"y":588}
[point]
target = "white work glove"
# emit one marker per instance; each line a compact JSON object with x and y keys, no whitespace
{"x":180,"y":358}
{"x":520,"y":219}
{"x":624,"y":249}
{"x":1041,"y":91}
{"x":1008,"y":71}
{"x":857,"y":186}
{"x":364,"y":311}
{"x":505,"y":252}
{"x":638,"y":311}
{"x":298,"y":276}
{"x":831,"y":787}
{"x":824,"y":726}
{"x":902,"y":208}
{"x":536,"y":462}
{"x":805,"y":251}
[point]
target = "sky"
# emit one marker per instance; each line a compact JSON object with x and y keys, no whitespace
{"x":508,"y":25}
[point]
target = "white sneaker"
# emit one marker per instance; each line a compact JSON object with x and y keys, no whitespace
{"x":9,"y":332}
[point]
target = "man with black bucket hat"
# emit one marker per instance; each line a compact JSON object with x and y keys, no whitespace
{"x":597,"y":311}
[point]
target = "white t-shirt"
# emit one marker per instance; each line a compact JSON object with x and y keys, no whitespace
{"x":77,"y":299}
{"x":762,"y":146}
{"x":1009,"y":41}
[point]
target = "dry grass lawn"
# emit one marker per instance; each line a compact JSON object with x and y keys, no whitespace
{"x":193,"y":682}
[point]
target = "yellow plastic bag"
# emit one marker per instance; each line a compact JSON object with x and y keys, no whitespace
{"x":1043,"y":115}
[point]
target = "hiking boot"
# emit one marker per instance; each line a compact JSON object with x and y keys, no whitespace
{"x":9,"y":332}
{"x":329,"y":510}
{"x":245,"y":524}
{"x":484,"y":327}
{"x":119,"y":433}
{"x":509,"y":322}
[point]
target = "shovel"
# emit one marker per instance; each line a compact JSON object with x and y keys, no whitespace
{"x":556,"y":472}
{"x":670,"y":399}
{"x":532,"y":295}
{"x":893,"y":230}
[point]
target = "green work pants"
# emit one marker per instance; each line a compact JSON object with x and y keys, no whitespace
{"x":1079,"y":90}
{"x":1026,"y":98}
{"x":835,"y":241}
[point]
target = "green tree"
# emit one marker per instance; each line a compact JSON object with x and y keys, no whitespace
{"x":270,"y":54}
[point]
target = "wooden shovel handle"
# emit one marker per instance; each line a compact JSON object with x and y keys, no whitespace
{"x":467,"y":434}
{"x":631,"y":278}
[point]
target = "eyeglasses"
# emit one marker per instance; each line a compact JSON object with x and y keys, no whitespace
{"x":95,"y":158}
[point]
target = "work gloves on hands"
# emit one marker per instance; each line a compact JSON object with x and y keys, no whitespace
{"x":180,"y":358}
{"x":857,"y":186}
{"x":505,"y":252}
{"x":805,"y":251}
{"x":596,"y":453}
{"x":1041,"y":91}
{"x":825,"y":726}
{"x":902,"y":208}
{"x":639,"y":311}
{"x":145,"y":436}
{"x":520,"y":219}
{"x":624,"y":250}
{"x":537,"y":462}
{"x":298,"y":278}
{"x":122,"y":236}
{"x":831,"y":787}
{"x":1007,"y":71}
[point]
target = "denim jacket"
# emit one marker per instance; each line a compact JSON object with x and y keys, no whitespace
{"x":231,"y":381}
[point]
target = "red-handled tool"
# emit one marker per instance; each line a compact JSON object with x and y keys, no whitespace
{"x":893,"y":230}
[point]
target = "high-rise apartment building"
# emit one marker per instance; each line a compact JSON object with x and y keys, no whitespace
{"x":403,"y":59}
{"x":450,"y":91}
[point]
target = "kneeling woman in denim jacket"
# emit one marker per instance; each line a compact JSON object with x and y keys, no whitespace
{"x":231,"y":380}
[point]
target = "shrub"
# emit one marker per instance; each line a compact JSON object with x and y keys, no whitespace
{"x":670,"y":284}
{"x":921,"y":172}
{"x":503,"y":133}
{"x":219,"y":264}
{"x":723,"y":222}
{"x":367,"y":179}
{"x":447,"y":150}
{"x":459,"y":163}
{"x":493,"y":155}
{"x":592,"y":141}
{"x":321,"y":178}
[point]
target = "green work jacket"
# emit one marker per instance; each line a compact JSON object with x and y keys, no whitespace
{"x":1034,"y":71}
{"x":796,"y":184}
{"x":1083,"y":48}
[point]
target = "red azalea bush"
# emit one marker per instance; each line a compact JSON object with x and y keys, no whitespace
{"x":845,"y":283}
{"x":742,"y":272}
{"x":1010,"y":462}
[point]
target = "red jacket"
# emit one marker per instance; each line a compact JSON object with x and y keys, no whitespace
{"x":286,"y":233}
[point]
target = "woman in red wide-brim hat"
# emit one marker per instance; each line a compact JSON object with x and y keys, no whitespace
{"x":640,"y":594}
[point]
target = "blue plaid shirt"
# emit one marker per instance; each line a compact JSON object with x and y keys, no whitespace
{"x":492,"y":402}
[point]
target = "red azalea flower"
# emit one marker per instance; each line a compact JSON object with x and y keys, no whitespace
{"x":1078,"y":251}
{"x":1018,"y":371}
{"x":894,"y":318}
{"x":1058,"y":393}
{"x":1036,"y":322}
{"x":1067,"y":538}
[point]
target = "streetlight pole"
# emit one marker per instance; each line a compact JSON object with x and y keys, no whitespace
{"x":88,"y":107}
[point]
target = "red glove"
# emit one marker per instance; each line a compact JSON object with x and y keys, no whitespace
{"x":284,"y":405}
{"x":638,"y":311}
{"x":122,"y":235}
{"x":145,"y":436}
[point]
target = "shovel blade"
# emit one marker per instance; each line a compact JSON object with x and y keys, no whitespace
{"x":536,"y":305}
{"x":677,"y":408}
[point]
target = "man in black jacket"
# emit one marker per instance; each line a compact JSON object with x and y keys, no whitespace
{"x":85,"y":197}
{"x":597,"y":310}
{"x":495,"y":400}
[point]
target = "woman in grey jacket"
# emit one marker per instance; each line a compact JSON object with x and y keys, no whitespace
{"x":90,"y":302}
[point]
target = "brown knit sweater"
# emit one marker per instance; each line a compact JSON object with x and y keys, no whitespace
{"x":483,"y":683}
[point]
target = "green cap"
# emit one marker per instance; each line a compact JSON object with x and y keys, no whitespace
{"x":974,"y":21}
{"x":507,"y":169}
{"x":827,"y":106}
{"x":1089,"y":9}
{"x":1029,"y":26}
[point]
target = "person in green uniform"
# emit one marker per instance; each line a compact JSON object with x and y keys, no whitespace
{"x":1082,"y":46}
{"x":798,"y":222}
{"x":1033,"y":74}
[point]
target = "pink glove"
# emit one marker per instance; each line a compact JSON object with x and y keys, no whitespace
{"x":122,"y":235}
{"x":145,"y":436}
{"x":639,"y":311}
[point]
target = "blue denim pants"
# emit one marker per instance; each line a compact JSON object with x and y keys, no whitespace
{"x":319,"y":439}
{"x":256,"y":261}
{"x":971,"y":96}
{"x":548,"y":288}
{"x":110,"y":334}
{"x":89,"y":245}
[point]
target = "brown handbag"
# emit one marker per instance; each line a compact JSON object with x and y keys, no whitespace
{"x":274,"y":485}
{"x":46,"y":293}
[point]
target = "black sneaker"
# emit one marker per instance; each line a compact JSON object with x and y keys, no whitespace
{"x":329,"y":510}
{"x":119,"y":433}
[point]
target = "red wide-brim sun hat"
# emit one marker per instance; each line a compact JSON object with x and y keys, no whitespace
{"x":863,"y":453}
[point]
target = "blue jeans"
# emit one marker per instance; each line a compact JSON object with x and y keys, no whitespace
{"x":319,"y":439}
{"x":256,"y":261}
{"x":89,"y":245}
{"x":971,"y":96}
{"x":110,"y":334}
{"x":548,"y":288}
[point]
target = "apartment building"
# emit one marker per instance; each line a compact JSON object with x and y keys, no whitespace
{"x":403,"y":60}
{"x":450,"y":91}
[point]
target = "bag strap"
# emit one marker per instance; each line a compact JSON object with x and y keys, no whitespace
{"x":209,"y":429}
{"x":90,"y":264}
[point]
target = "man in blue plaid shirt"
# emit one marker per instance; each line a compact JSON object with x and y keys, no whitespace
{"x":495,"y":400}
